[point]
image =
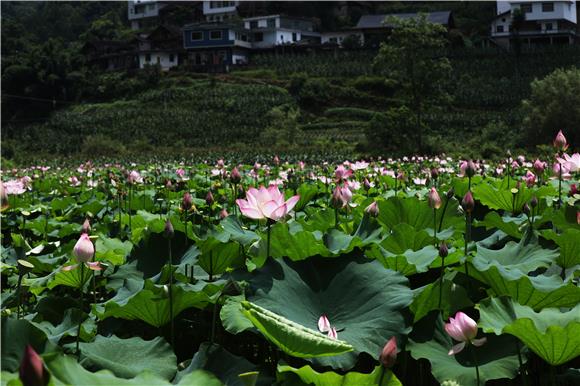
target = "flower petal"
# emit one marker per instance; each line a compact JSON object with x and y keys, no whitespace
{"x":332,"y":334}
{"x":291,"y":202}
{"x":323,"y":324}
{"x":479,"y":342}
{"x":457,"y":348}
{"x":70,"y":267}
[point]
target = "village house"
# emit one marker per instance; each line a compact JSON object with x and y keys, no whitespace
{"x":545,"y":23}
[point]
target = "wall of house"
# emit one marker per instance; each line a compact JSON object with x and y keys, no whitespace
{"x":227,"y":38}
{"x":230,"y":7}
{"x":262,"y":22}
{"x":138,"y":9}
{"x":275,"y":37}
{"x":562,"y":10}
{"x":329,"y":37}
{"x":505,"y":21}
{"x":161,"y":58}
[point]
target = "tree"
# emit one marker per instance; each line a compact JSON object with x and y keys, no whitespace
{"x":554,"y":105}
{"x":412,"y":56}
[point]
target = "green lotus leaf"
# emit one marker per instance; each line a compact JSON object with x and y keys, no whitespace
{"x":303,"y":291}
{"x":66,"y":370}
{"x":504,"y":199}
{"x":127,"y":358}
{"x":290,"y":240}
{"x":507,"y":224}
{"x":216,"y":257}
{"x":113,"y":250}
{"x":525,"y":256}
{"x":292,"y":338}
{"x":497,"y":358}
{"x":219,"y":362}
{"x":569,"y":243}
{"x":232,"y":226}
{"x":453,"y":298}
{"x":550,"y":333}
{"x":16,"y":334}
{"x":151,"y":304}
{"x":535,"y":291}
{"x":68,"y":327}
{"x":306,"y":375}
{"x":233,"y":320}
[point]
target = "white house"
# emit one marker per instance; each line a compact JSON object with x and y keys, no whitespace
{"x":338,"y":37}
{"x":553,"y":22}
{"x":275,"y":30}
{"x":141,"y":12}
{"x":220,"y":10}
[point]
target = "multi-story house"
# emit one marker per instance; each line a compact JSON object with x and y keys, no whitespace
{"x":544,"y":22}
{"x":161,"y":47}
{"x":144,"y":13}
{"x":216,"y":44}
{"x":220,"y":10}
{"x":275,"y":30}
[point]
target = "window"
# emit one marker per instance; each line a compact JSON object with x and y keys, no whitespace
{"x":196,"y":36}
{"x":499,"y":28}
{"x":271,"y":23}
{"x":547,"y":7}
{"x":147,"y":58}
{"x":549,"y":27}
{"x":215,"y":35}
{"x":526,"y":7}
{"x":159,"y":60}
{"x":258,"y":37}
{"x":333,"y":40}
{"x":254,"y":24}
{"x":171,"y":58}
{"x":294,"y":36}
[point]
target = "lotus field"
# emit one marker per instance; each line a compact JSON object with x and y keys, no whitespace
{"x":414,"y":271}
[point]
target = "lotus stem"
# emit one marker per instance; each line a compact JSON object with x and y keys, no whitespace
{"x":467,"y":240}
{"x":435,"y":227}
{"x":560,"y":185}
{"x":210,"y":266}
{"x":522,"y":370}
{"x":19,"y":298}
{"x":268,"y":240}
{"x":171,"y":292}
{"x":383,"y":371}
{"x":441,"y":281}
{"x":82,"y":268}
{"x":443,"y":213}
{"x":476,"y":365}
{"x":130,"y":203}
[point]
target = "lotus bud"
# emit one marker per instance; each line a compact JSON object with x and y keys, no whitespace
{"x":539,"y":166}
{"x":526,"y":209}
{"x":301,"y":165}
{"x":276,"y":160}
{"x":186,"y":202}
{"x":84,"y":249}
{"x":235,"y":177}
{"x":220,"y":163}
{"x":573,"y":189}
{"x":209,"y":200}
{"x":168,"y":232}
{"x":470,"y":169}
{"x":434,"y":199}
{"x":86,"y":226}
{"x":534,"y":202}
{"x":367,"y":184}
{"x":256,"y":167}
{"x":434,"y":173}
{"x":560,"y":142}
{"x":4,"y":197}
{"x":468,"y":204}
{"x":443,"y":251}
{"x":450,"y":193}
{"x":388,"y":356}
{"x":223,"y":214}
{"x":32,"y":370}
{"x":373,"y":209}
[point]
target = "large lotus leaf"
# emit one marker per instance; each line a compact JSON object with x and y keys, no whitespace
{"x":453,"y":298}
{"x":550,"y":333}
{"x":232,"y":317}
{"x":216,"y":256}
{"x":404,"y":237}
{"x":66,"y":370}
{"x":504,"y":199}
{"x":218,"y":361}
{"x":127,"y":358}
{"x":417,"y":213}
{"x":306,"y":375}
{"x":361,"y":299}
{"x":16,"y":334}
{"x":569,"y":243}
{"x":497,"y":358}
{"x":509,"y":225}
{"x":68,"y":326}
{"x":525,"y":256}
{"x":231,"y":225}
{"x":292,"y":241}
{"x":151,"y":304}
{"x":368,"y":232}
{"x":535,"y":291}
{"x":113,"y":250}
{"x":292,"y":338}
{"x":317,"y":219}
{"x":73,"y":278}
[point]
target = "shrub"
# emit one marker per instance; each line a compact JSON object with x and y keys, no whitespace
{"x":99,"y":145}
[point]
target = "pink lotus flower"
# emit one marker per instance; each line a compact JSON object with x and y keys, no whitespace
{"x":539,"y":166}
{"x":372,"y":209}
{"x":565,"y":170}
{"x":341,"y":173}
{"x":530,"y":179}
{"x":134,"y":177}
{"x":32,"y":370}
{"x":464,"y":330}
{"x":572,"y":163}
{"x":14,"y":187}
{"x":560,"y":142}
{"x":180,"y":172}
{"x":341,"y":196}
{"x":74,"y":181}
{"x":266,"y":203}
{"x":84,"y":251}
{"x":434,"y":199}
{"x":325,"y":327}
{"x":388,"y":356}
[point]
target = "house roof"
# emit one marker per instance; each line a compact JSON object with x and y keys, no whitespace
{"x":212,"y":25}
{"x":378,"y":21}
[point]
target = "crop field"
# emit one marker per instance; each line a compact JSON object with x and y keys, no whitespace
{"x":412,"y":271}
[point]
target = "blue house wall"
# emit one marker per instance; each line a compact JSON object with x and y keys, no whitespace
{"x":206,"y":41}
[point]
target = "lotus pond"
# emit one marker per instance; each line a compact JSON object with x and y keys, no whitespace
{"x":415,"y":271}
